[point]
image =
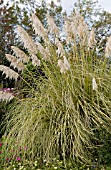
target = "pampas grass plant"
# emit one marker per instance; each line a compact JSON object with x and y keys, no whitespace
{"x":71,"y":100}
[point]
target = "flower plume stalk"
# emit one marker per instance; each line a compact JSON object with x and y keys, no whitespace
{"x":64,"y":66}
{"x":53,"y":29}
{"x":35,"y":60}
{"x":9,"y":72}
{"x":83,"y":31}
{"x":26,"y":39}
{"x":70,"y":30}
{"x":29,"y":44}
{"x":94,"y":84}
{"x":15,"y":62}
{"x":4,"y":96}
{"x":38,"y":27}
{"x":92,"y":40}
{"x":60,"y":51}
{"x":108,"y":48}
{"x":44,"y":51}
{"x":20,"y":54}
{"x":76,"y":28}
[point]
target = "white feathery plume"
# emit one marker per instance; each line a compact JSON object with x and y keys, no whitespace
{"x":76,"y":26}
{"x":26,"y":39}
{"x":92,"y":40}
{"x":83,"y":31}
{"x":15,"y":62}
{"x":44,"y":51}
{"x":4,"y":96}
{"x":94,"y":84}
{"x":9,"y":72}
{"x":108,"y":48}
{"x":68,"y":28}
{"x":28,"y":43}
{"x":60,"y":50}
{"x":64,"y":66}
{"x":20,"y":54}
{"x":66,"y":63}
{"x":79,"y":27}
{"x":53,"y":29}
{"x":38,"y":27}
{"x":35,"y":60}
{"x":75,"y":20}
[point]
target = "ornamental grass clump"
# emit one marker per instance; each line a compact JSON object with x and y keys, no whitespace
{"x":72,"y":99}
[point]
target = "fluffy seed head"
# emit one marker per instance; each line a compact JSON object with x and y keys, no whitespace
{"x":108,"y":48}
{"x":29,"y":44}
{"x":64,"y":66}
{"x":69,"y":29}
{"x":94,"y":84}
{"x":83,"y":31}
{"x":26,"y":39}
{"x":35,"y":60}
{"x":92,"y":40}
{"x":4,"y":96}
{"x":38,"y":27}
{"x":60,"y":50}
{"x":20,"y":54}
{"x":15,"y":62}
{"x":44,"y":51}
{"x":9,"y":72}
{"x":53,"y":29}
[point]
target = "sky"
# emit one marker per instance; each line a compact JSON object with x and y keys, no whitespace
{"x":106,"y":4}
{"x":68,"y":4}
